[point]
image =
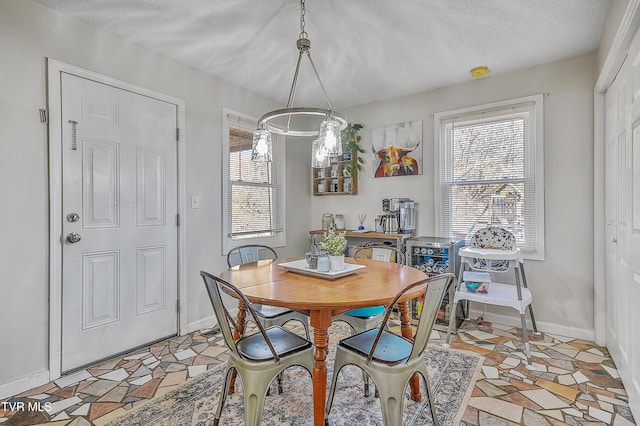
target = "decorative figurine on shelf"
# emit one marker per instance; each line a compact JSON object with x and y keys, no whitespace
{"x":335,"y":243}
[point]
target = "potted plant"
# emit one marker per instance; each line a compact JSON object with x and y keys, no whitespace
{"x":351,"y":146}
{"x":335,"y":243}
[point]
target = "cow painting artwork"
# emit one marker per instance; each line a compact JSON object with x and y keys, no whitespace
{"x":397,"y":149}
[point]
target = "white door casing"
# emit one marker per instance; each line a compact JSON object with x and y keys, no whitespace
{"x":121,"y":279}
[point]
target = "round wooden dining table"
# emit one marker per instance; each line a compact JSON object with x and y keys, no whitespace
{"x":376,"y":283}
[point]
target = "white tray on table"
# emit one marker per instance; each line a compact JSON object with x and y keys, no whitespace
{"x":301,"y":267}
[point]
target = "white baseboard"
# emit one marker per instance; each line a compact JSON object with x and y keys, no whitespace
{"x":207,"y":322}
{"x":560,"y":330}
{"x":24,"y":384}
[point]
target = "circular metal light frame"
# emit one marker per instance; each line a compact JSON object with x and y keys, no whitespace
{"x":298,"y":111}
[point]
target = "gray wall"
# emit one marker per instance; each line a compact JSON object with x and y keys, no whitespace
{"x":562,"y":284}
{"x":30,"y":33}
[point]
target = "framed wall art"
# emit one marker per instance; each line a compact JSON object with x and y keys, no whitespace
{"x":397,"y":149}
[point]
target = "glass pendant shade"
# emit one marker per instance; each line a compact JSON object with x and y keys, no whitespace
{"x":329,"y":136}
{"x":319,"y":157}
{"x":261,"y":148}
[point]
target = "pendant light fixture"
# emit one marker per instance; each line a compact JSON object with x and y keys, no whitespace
{"x":328,"y":142}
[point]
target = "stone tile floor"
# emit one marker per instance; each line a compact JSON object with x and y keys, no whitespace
{"x":575,"y":381}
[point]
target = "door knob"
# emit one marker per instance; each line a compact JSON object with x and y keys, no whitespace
{"x":73,"y":237}
{"x":614,"y":240}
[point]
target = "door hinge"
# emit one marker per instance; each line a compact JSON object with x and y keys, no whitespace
{"x":178,"y":219}
{"x":44,"y":116}
{"x":177,"y":134}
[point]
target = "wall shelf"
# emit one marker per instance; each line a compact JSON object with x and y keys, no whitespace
{"x":333,"y":180}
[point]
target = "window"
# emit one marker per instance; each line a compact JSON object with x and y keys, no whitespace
{"x":253,"y":195}
{"x":489,"y":171}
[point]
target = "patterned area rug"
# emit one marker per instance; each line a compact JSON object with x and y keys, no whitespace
{"x":452,"y":375}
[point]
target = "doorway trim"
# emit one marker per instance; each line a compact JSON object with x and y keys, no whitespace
{"x":54,"y":100}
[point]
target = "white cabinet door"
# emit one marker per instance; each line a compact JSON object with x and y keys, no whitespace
{"x":119,"y":267}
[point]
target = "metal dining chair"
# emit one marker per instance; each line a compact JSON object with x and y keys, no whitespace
{"x":258,"y":358}
{"x":268,"y":315}
{"x":391,"y":360}
{"x":362,"y":319}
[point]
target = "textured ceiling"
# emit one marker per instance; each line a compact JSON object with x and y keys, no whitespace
{"x":365,"y":50}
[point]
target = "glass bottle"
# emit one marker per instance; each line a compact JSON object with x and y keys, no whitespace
{"x":327,"y":221}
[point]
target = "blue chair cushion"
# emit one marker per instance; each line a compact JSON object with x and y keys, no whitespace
{"x":369,"y":311}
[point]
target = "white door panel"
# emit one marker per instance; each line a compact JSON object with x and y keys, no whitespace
{"x":120,"y":176}
{"x":99,"y":304}
{"x":622,"y":221}
{"x":100,"y":171}
{"x":629,"y":251}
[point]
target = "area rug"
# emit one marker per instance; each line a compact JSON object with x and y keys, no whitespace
{"x":452,"y":376}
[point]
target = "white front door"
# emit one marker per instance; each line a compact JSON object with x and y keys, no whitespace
{"x":622,"y":221}
{"x":119,"y":207}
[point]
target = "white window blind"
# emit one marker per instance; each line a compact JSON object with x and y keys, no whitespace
{"x":490,"y":172}
{"x":254,"y":191}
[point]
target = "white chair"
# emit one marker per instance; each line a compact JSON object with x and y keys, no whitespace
{"x":492,"y":251}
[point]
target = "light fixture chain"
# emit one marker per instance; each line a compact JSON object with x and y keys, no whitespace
{"x":303,"y":33}
{"x":330,"y":127}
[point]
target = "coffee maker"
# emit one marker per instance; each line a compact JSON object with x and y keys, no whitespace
{"x":399,"y":216}
{"x":406,"y":216}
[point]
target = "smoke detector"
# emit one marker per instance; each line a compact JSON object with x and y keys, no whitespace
{"x":480,"y":71}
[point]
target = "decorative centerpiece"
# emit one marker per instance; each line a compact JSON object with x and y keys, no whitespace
{"x":335,"y":243}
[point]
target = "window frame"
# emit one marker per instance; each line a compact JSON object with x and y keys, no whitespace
{"x":278,"y":168}
{"x":493,"y":110}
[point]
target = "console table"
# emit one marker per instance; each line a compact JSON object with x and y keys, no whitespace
{"x":357,"y":238}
